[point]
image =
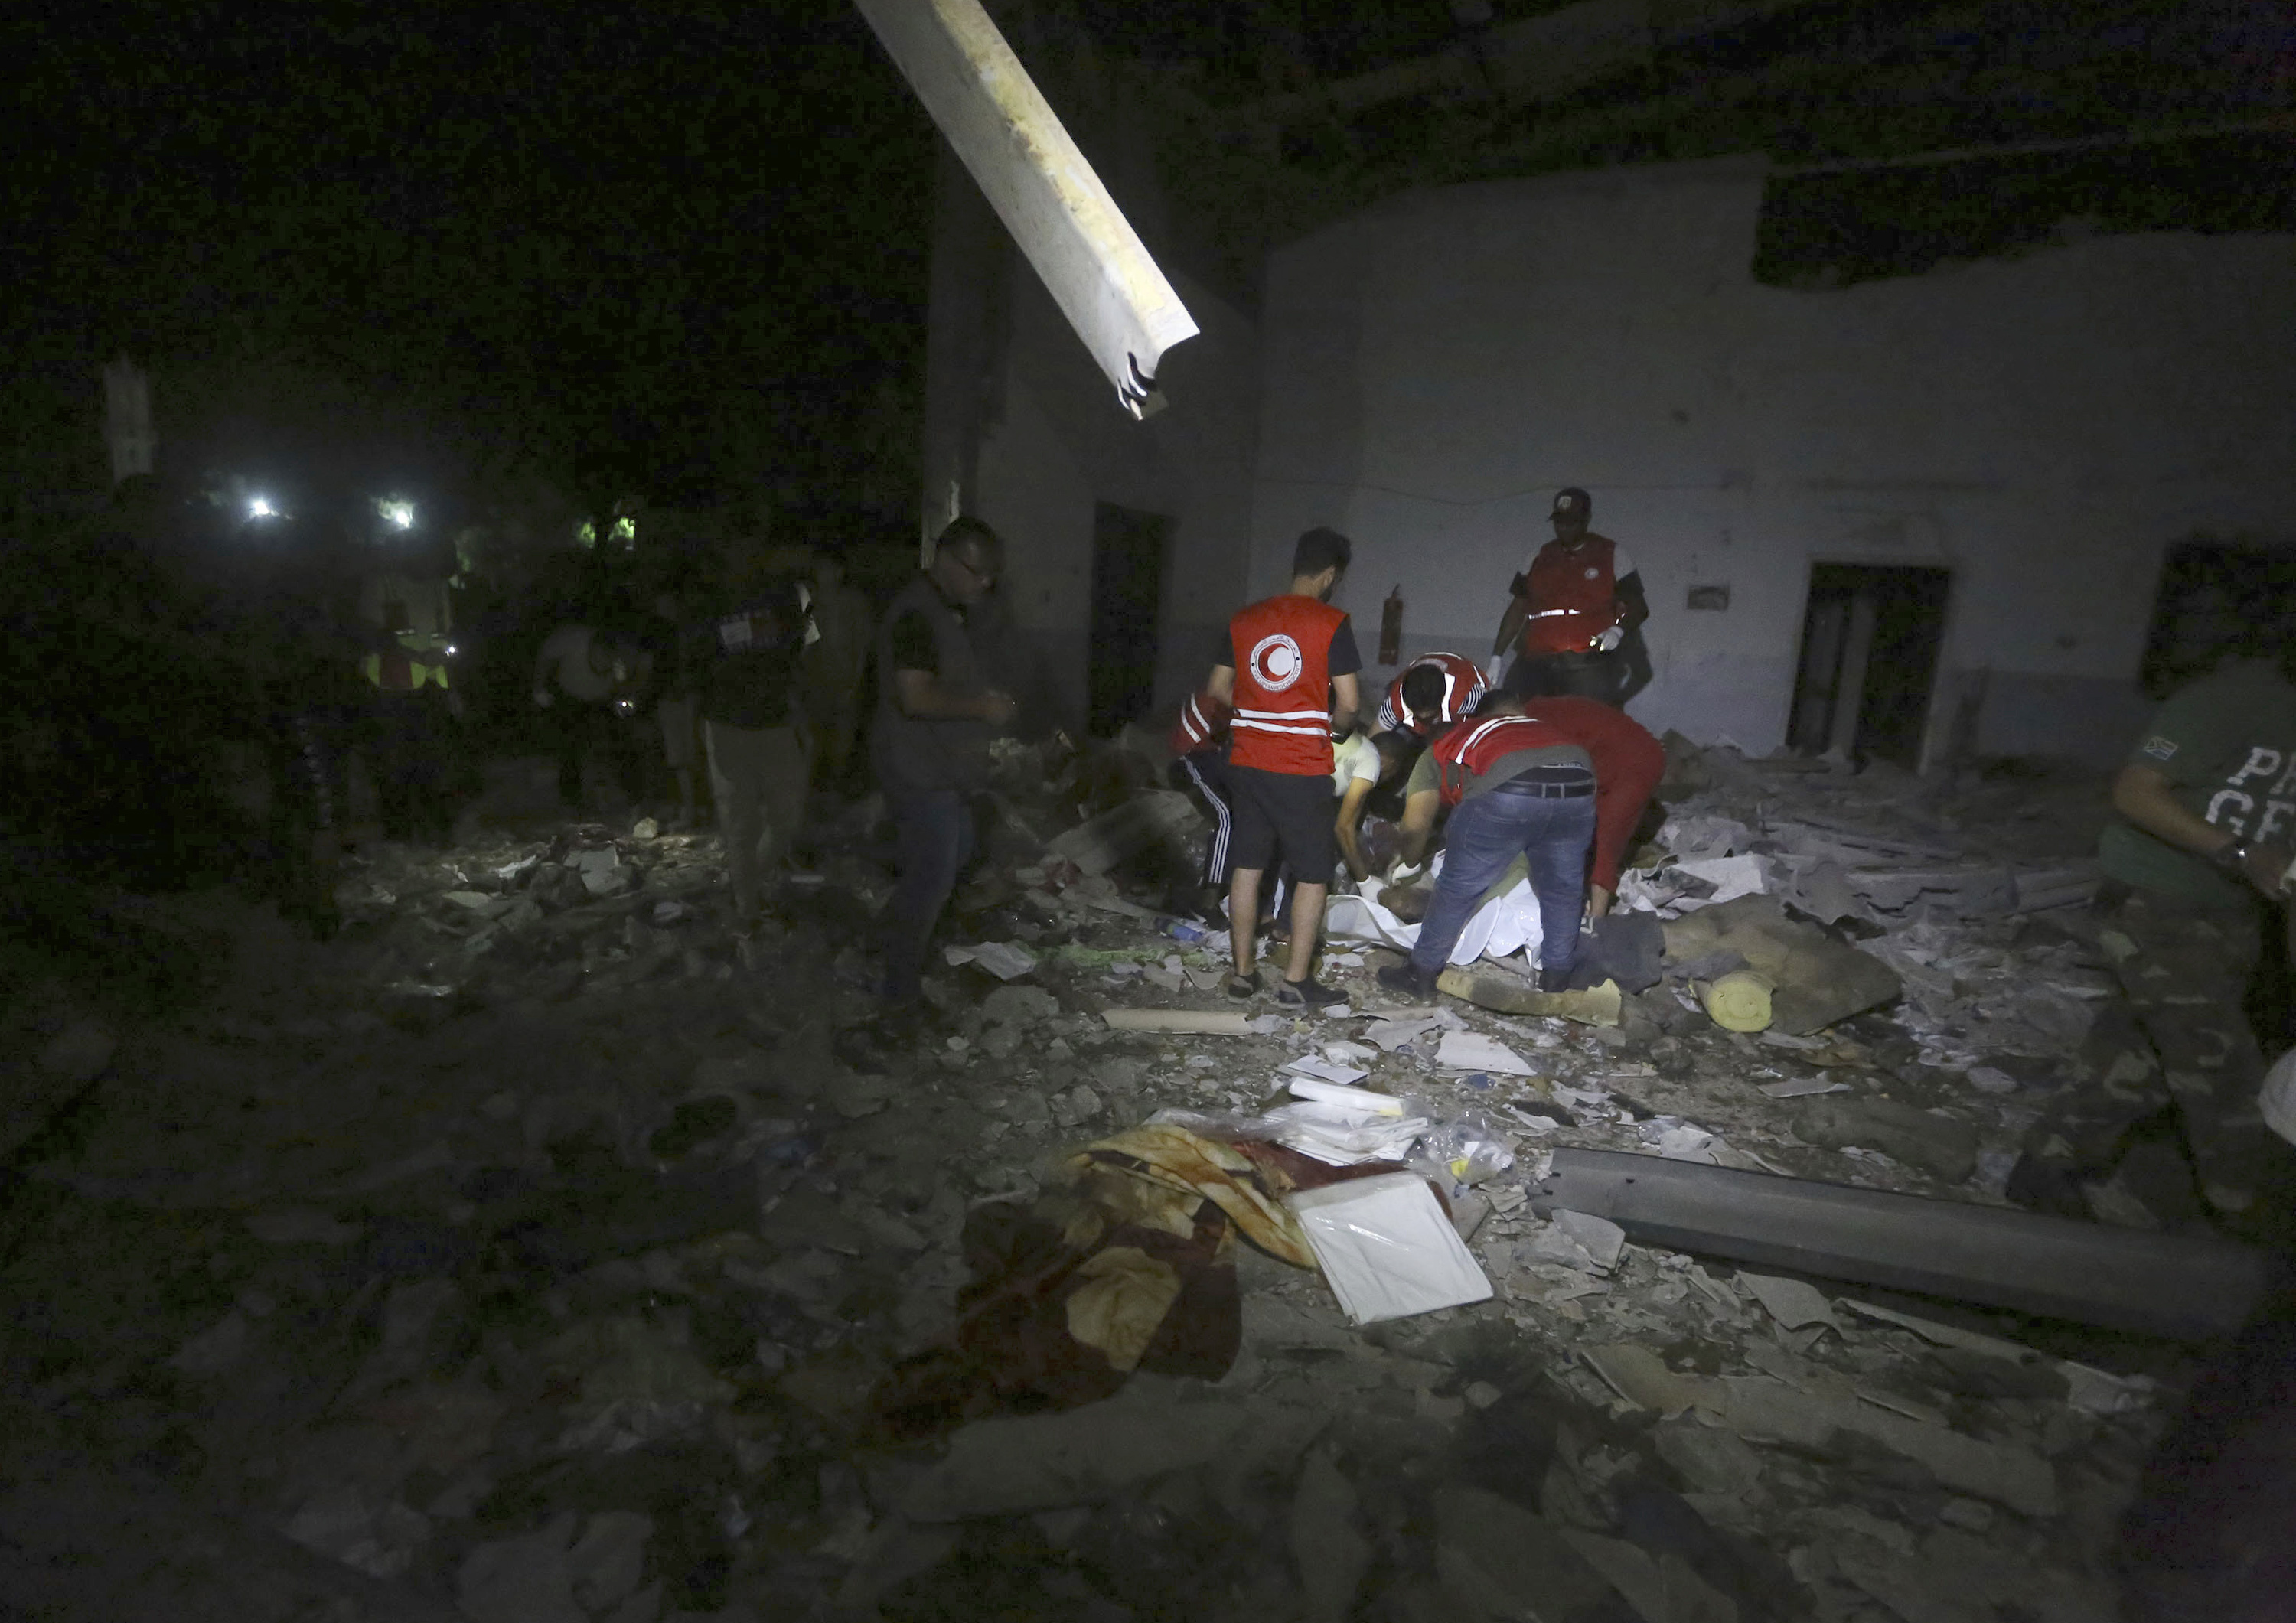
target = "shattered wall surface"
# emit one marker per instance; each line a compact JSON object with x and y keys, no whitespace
{"x":1051,"y":447}
{"x":1434,"y":367}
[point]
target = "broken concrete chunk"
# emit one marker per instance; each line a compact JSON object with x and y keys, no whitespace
{"x":1642,"y":1378}
{"x":1498,"y":1559}
{"x":216,"y":1348}
{"x":1710,"y":1458}
{"x":1756,"y":1406}
{"x":1191,"y":1022}
{"x":338,"y":1523}
{"x":1792,"y":1302}
{"x":1327,"y":1547}
{"x":80,"y":1054}
{"x":1945,"y":1148}
{"x":1661,"y":1589}
{"x":522,"y":1580}
{"x":1040,"y":1462}
{"x":1019,"y":1005}
{"x":609,"y":1560}
{"x":1601,"y":1240}
{"x":300,"y":1225}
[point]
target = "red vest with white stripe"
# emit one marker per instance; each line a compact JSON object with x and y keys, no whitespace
{"x":1202,"y":725}
{"x":1282,"y":651}
{"x":1463,"y":685}
{"x":1469,"y":751}
{"x":1573,"y":597}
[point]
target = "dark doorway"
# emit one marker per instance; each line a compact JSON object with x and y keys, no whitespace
{"x":2218,"y":600}
{"x":1869,"y":655}
{"x":1128,"y":589}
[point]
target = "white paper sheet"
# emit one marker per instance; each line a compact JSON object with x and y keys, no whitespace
{"x":1387,"y":1250}
{"x":1472,"y":1051}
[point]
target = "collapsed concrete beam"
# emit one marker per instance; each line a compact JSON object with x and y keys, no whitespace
{"x":1040,"y":185}
{"x":2178,"y":1285}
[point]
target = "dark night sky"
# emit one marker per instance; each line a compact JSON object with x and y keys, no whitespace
{"x":668,"y":250}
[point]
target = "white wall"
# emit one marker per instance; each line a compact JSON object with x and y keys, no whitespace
{"x":1057,"y":443}
{"x":1434,"y":367}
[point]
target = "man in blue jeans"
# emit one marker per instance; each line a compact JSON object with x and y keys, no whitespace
{"x":1517,"y":786}
{"x":936,"y":711}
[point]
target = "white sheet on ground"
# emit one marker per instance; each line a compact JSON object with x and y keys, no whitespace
{"x":1506,"y":923}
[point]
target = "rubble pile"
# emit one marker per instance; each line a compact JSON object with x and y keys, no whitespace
{"x":526,"y":1254}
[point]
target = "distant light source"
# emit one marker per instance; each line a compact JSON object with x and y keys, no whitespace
{"x":260,"y":507}
{"x":398,"y":515}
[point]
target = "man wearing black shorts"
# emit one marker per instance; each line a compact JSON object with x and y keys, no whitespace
{"x":1288,"y":666}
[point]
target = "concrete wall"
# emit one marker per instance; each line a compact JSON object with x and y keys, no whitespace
{"x":1433,"y":368}
{"x":1057,"y":443}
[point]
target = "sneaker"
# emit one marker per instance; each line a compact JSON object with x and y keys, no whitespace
{"x":1410,"y":980}
{"x":1244,"y":988}
{"x":1308,"y":994}
{"x":1554,"y":980}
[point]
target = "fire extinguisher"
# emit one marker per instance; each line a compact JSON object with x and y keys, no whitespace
{"x":1391,"y":628}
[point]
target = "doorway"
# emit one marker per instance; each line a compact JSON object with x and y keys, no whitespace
{"x":1127,"y":590}
{"x":2218,"y":601}
{"x":1870,"y":641}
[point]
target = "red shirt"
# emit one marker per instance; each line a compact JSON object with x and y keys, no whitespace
{"x":1465,"y":755}
{"x":1463,"y":685}
{"x":1629,"y":762}
{"x":1281,"y":647}
{"x":1574,"y":597}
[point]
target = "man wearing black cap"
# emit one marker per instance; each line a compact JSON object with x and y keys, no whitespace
{"x":1579,"y":599}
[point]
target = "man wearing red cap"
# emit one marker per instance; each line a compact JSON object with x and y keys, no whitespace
{"x":1580,"y":598}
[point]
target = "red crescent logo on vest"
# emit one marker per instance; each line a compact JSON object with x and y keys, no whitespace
{"x":1275,"y":662}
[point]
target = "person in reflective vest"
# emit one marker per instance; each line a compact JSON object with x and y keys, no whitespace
{"x":1517,"y":786}
{"x":1577,"y":602}
{"x":1430,"y":694}
{"x":1281,"y":664}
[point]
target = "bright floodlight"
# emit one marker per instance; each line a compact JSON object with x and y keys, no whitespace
{"x":260,"y":507}
{"x":401,"y":515}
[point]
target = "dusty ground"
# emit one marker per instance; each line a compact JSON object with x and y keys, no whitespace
{"x":520,"y":1255}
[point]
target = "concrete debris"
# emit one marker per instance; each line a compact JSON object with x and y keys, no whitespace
{"x":1935,"y":1143}
{"x":539,"y":1243}
{"x":1793,"y":1303}
{"x":80,"y":1054}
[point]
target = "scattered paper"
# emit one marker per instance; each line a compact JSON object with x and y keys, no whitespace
{"x":1392,"y":1034}
{"x":1472,"y":1051}
{"x":1344,"y":1138}
{"x":1343,"y":1097}
{"x":1324,"y":1070}
{"x":1387,"y":1250}
{"x":1001,"y":959}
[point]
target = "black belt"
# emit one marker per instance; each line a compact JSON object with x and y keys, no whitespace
{"x":1546,"y":789}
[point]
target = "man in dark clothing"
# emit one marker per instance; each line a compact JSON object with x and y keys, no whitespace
{"x":1577,"y":601}
{"x":744,"y":658}
{"x":2195,"y":863}
{"x":936,"y":711}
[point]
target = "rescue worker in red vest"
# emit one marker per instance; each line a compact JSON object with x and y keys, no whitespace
{"x":1430,"y":694}
{"x":1629,"y":762}
{"x":1517,"y":786}
{"x":1281,"y":664}
{"x":1578,"y":600}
